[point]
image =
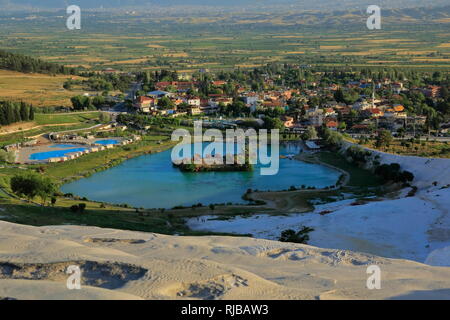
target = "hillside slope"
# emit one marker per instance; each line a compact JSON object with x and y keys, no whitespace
{"x":131,"y":265}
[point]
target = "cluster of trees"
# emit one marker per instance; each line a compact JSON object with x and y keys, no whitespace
{"x":149,"y":78}
{"x":310,"y":134}
{"x":27,"y":64}
{"x":102,"y":82}
{"x":392,"y":172}
{"x":347,"y":97}
{"x":87,"y":103}
{"x":332,"y":139}
{"x":358,"y":154}
{"x":236,"y":109}
{"x":32,"y":185}
{"x":273,"y":123}
{"x":141,"y":121}
{"x":12,"y":112}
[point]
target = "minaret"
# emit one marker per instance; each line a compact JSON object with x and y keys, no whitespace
{"x":373,"y":96}
{"x":373,"y":101}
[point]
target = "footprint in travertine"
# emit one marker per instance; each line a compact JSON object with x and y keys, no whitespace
{"x":109,"y":275}
{"x":211,"y":289}
{"x":348,"y":258}
{"x":275,"y":253}
{"x":334,"y":257}
{"x":112,"y":240}
{"x":284,"y":254}
{"x":49,"y":231}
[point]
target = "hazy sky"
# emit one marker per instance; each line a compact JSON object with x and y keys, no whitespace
{"x":302,"y":4}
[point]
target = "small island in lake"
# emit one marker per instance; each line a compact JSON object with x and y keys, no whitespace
{"x":216,"y":163}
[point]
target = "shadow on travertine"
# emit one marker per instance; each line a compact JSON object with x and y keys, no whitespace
{"x":108,"y":275}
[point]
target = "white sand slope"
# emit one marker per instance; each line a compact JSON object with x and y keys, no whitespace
{"x":426,"y":170}
{"x":413,"y":228}
{"x":133,"y":265}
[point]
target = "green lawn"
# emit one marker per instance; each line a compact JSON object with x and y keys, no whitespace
{"x":23,"y":213}
{"x":45,"y":119}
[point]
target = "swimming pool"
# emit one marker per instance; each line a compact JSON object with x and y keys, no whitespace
{"x":107,"y":141}
{"x":54,"y":154}
{"x":63,"y":146}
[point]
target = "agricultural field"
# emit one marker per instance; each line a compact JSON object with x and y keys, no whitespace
{"x":149,"y":42}
{"x":37,"y":89}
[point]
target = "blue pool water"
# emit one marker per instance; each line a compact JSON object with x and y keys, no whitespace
{"x":151,"y":181}
{"x":53,"y":154}
{"x":63,"y":146}
{"x":108,"y":141}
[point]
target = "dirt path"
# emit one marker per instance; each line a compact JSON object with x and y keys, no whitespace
{"x":39,"y":126}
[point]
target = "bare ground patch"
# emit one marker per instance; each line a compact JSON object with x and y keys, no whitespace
{"x":109,"y":275}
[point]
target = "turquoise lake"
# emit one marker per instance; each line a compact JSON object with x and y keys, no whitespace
{"x":150,"y":181}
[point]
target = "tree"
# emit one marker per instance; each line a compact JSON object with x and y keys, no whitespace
{"x":98,"y":101}
{"x":31,"y":113}
{"x":46,"y":188}
{"x":342,"y":126}
{"x":339,"y":96}
{"x":6,"y":156}
{"x":165,"y":103}
{"x":310,"y":134}
{"x":384,"y":138}
{"x":24,"y":112}
{"x":80,"y":102}
{"x":332,"y":138}
{"x":273,"y":123}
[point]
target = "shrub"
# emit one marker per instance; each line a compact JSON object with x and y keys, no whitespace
{"x":82,"y":207}
{"x":392,"y":172}
{"x":301,"y":236}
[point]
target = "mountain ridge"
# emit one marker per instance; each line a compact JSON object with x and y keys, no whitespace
{"x":138,"y":4}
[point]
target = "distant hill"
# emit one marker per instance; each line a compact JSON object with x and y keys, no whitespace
{"x":137,"y":4}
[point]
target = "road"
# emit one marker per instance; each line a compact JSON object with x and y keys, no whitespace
{"x":130,"y":94}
